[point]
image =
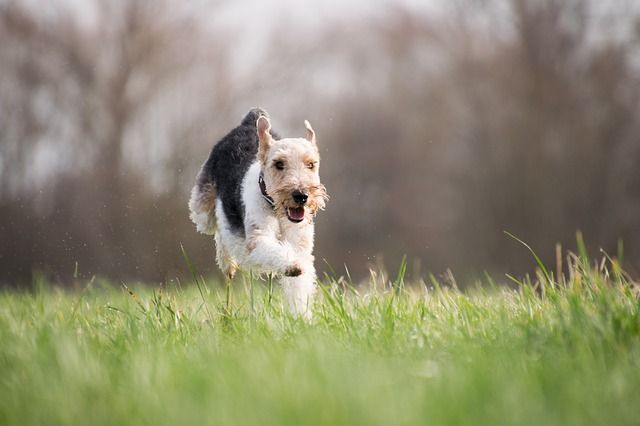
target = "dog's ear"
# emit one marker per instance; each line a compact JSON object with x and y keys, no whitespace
{"x":311,"y":135}
{"x":263,"y":126}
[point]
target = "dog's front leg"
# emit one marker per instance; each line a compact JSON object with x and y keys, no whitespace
{"x":267,"y":253}
{"x":298,"y":291}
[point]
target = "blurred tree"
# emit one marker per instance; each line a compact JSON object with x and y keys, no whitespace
{"x":439,"y":128}
{"x":74,"y":191}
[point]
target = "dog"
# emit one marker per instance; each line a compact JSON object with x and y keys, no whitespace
{"x":258,"y":195}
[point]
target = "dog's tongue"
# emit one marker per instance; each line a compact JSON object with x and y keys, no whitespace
{"x":296,"y":213}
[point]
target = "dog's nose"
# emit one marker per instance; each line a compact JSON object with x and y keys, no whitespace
{"x":299,"y":197}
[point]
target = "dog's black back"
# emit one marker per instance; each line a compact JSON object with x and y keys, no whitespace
{"x":228,"y":162}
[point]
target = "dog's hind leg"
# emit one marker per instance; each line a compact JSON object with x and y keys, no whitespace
{"x":227,"y":264}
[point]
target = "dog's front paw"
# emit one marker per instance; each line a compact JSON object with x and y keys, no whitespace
{"x":293,"y":271}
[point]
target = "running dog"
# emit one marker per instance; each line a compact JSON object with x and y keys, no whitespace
{"x":259,"y":194}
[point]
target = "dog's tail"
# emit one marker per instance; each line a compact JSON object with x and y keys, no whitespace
{"x":252,"y":116}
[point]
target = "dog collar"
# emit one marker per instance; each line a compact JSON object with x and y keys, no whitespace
{"x":263,"y":190}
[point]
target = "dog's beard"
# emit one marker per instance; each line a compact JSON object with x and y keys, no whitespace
{"x":286,"y":207}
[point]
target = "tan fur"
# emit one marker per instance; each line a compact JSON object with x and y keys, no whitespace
{"x":201,"y":206}
{"x":263,"y":126}
{"x":207,"y":201}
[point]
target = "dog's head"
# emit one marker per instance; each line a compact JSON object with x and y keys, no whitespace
{"x":290,"y":167}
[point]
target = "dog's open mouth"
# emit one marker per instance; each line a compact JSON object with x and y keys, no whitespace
{"x":295,"y":214}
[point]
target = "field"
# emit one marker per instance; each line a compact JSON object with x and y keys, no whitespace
{"x":544,"y":351}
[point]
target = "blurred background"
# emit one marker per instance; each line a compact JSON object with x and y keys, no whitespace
{"x":441,"y":124}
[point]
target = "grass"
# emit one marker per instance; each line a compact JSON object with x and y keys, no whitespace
{"x":553,"y":351}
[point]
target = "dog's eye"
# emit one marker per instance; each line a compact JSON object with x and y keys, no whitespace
{"x":279,"y":165}
{"x":311,"y":166}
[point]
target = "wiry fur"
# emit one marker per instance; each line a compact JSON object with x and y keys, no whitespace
{"x":251,"y":233}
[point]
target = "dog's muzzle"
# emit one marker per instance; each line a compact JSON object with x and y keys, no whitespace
{"x":296,"y":214}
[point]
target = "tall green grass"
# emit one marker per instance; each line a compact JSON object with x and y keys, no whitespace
{"x":554,"y":350}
